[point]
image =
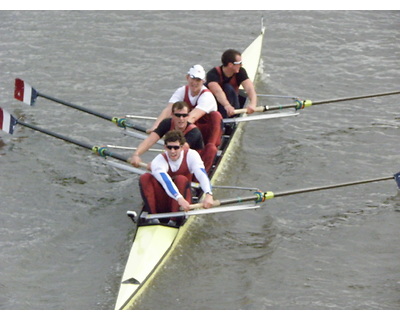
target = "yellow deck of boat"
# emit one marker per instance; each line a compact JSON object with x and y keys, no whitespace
{"x":153,"y":244}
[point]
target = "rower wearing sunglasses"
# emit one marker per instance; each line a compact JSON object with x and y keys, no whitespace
{"x":202,"y":112}
{"x":178,"y":121}
{"x":224,"y":82}
{"x":167,"y":187}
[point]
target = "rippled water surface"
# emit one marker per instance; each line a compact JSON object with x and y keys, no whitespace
{"x":64,"y":233}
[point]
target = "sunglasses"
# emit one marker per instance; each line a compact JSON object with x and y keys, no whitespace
{"x":237,"y":62}
{"x":173,"y":147}
{"x":178,"y":115}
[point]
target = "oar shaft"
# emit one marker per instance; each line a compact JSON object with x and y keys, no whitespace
{"x":102,"y":151}
{"x":90,"y":111}
{"x":259,"y":196}
{"x":74,"y":106}
{"x":307,"y":103}
{"x":55,"y":135}
{"x":356,"y":98}
{"x":288,"y":193}
{"x":244,"y":110}
{"x":314,"y":103}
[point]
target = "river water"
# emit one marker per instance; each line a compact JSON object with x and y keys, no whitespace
{"x":64,"y":234}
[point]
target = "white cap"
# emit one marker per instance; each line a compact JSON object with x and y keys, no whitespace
{"x":197,"y":71}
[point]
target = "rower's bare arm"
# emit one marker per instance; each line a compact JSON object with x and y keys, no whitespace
{"x":195,"y":115}
{"x":166,"y":113}
{"x":142,"y":148}
{"x":220,"y":95}
{"x":251,"y":94}
{"x":217,"y":91}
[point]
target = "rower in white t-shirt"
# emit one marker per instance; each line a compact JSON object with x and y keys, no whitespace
{"x":199,"y":98}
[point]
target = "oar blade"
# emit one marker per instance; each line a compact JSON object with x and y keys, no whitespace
{"x":24,"y":92}
{"x":397,"y":179}
{"x":7,"y":121}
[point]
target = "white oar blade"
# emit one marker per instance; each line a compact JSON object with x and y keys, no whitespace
{"x":261,"y":117}
{"x":24,"y":92}
{"x":201,"y":211}
{"x":7,"y":121}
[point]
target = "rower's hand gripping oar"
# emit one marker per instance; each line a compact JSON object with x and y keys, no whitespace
{"x":308,"y":103}
{"x":24,"y":92}
{"x":260,"y":196}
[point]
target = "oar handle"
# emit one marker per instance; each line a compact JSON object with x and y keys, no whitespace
{"x":143,"y":165}
{"x":121,"y":122}
{"x":260,"y":196}
{"x":244,"y":110}
{"x":199,"y":205}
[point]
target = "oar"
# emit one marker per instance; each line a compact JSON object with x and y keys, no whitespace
{"x":307,"y":103}
{"x":276,"y":96}
{"x":27,"y":94}
{"x":260,"y":196}
{"x":8,"y":123}
{"x":195,"y":185}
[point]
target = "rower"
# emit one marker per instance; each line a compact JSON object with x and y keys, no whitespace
{"x":202,"y":112}
{"x":167,"y":187}
{"x":199,"y":99}
{"x":179,"y":121}
{"x":224,"y":82}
